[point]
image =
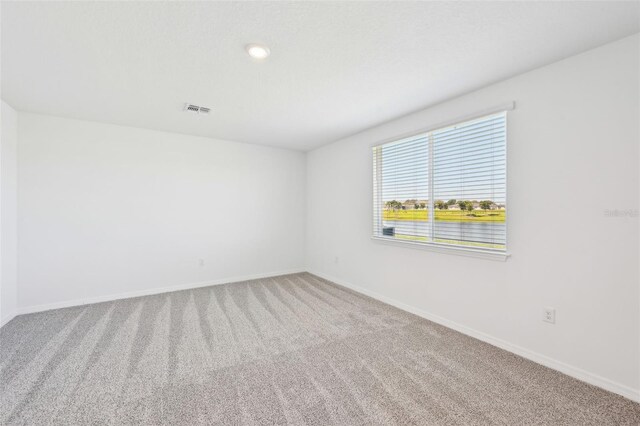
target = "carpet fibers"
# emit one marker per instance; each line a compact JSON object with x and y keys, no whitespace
{"x":294,"y":349}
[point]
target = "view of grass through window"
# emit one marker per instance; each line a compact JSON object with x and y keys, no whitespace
{"x":459,"y":172}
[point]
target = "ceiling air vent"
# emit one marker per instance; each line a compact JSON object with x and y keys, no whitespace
{"x":196,"y":109}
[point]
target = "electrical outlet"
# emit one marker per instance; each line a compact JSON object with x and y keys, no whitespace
{"x":200,"y":262}
{"x":549,"y":315}
{"x":336,"y":259}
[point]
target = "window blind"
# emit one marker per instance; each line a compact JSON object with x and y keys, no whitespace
{"x":444,"y":187}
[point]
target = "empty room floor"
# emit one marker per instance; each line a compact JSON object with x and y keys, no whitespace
{"x":293,"y":349}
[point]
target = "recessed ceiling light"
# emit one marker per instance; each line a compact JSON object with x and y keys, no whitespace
{"x":257,"y":51}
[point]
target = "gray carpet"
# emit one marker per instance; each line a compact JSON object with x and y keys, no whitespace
{"x":294,"y":349}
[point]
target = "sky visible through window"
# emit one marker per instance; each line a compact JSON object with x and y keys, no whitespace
{"x":469,"y":164}
{"x":405,"y":170}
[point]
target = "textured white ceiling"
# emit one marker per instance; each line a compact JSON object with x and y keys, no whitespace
{"x":335,"y":68}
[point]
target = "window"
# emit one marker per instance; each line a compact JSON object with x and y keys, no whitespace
{"x":446,"y":187}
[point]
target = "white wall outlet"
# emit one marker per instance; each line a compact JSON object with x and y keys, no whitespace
{"x":336,"y":259}
{"x":549,"y":315}
{"x":200,"y":262}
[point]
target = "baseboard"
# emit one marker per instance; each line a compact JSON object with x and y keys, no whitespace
{"x":147,"y":292}
{"x":6,"y":319}
{"x":569,"y":370}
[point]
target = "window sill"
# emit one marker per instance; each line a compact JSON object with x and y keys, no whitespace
{"x":442,"y":248}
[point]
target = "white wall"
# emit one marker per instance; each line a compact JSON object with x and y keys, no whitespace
{"x":8,"y":211}
{"x":573,"y":152}
{"x":105,"y":210}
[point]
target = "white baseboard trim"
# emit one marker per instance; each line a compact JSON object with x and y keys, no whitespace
{"x":7,"y":318}
{"x":569,"y":370}
{"x":147,"y":292}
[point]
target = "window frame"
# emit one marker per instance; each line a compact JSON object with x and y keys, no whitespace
{"x":484,"y":253}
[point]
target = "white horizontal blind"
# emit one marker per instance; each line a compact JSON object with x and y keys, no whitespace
{"x":466,"y":187}
{"x":470,"y":167}
{"x":401,"y":184}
